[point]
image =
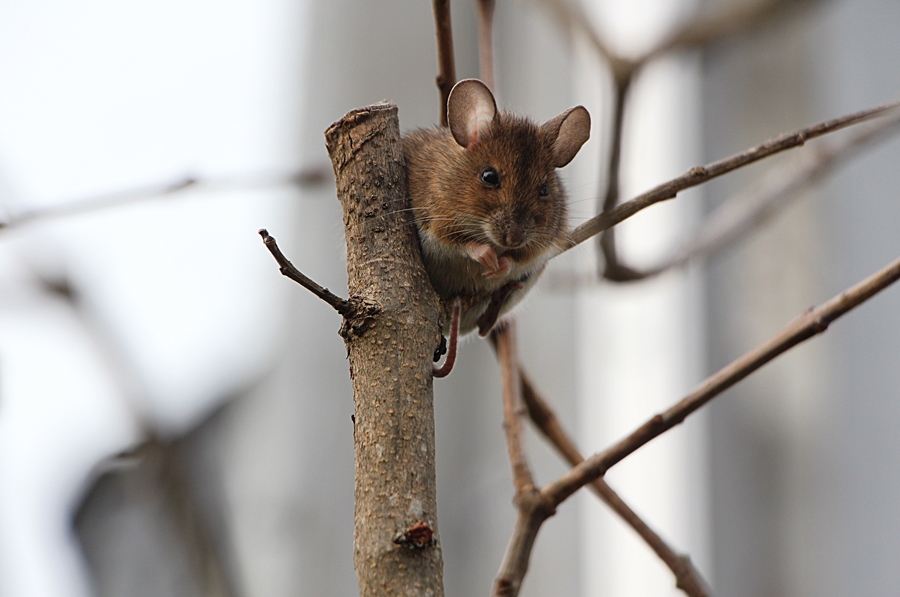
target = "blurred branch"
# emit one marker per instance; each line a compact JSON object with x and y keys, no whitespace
{"x":607,"y":242}
{"x":447,"y":70}
{"x":687,"y":577}
{"x":710,"y":25}
{"x":812,"y":322}
{"x":342,"y":306}
{"x":571,"y":16}
{"x":312,"y":176}
{"x":486,"y":42}
{"x":700,"y":174}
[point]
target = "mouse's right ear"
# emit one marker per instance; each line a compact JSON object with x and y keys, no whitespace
{"x":470,"y":110}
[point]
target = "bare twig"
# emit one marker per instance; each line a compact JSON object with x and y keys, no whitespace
{"x":505,"y":337}
{"x":309,"y":176}
{"x":612,"y":269}
{"x":700,"y":174}
{"x":537,"y":508}
{"x":744,"y":212}
{"x":447,"y":70}
{"x":532,"y":511}
{"x":687,"y":577}
{"x":486,"y":42}
{"x":344,"y":307}
{"x":812,"y":322}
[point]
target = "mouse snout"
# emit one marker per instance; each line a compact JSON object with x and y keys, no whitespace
{"x":510,"y":232}
{"x":514,"y":235}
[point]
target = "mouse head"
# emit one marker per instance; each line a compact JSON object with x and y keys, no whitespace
{"x":512,"y":197}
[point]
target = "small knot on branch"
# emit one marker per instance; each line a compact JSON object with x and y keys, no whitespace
{"x":698,"y":172}
{"x":418,"y":536}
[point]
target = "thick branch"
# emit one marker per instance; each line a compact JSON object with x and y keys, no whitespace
{"x":340,"y":305}
{"x":810,"y":323}
{"x":701,"y":174}
{"x":446,"y":66}
{"x":396,"y":546}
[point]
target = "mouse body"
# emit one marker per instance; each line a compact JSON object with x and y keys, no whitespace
{"x":487,"y":202}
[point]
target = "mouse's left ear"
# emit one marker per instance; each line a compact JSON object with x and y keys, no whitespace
{"x":470,"y":110}
{"x":567,"y":133}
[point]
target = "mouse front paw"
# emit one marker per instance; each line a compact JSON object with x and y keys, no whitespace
{"x":493,"y":266}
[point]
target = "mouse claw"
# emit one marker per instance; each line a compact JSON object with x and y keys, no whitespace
{"x":485,"y":255}
{"x":503,"y":267}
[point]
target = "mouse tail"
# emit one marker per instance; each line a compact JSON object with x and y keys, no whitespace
{"x":445,"y":369}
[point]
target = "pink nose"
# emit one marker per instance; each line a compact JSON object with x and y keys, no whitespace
{"x":514,"y":235}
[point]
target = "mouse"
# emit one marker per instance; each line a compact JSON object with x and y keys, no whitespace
{"x":488,"y":204}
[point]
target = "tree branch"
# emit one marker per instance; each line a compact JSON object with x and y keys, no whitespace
{"x":396,"y":547}
{"x":746,"y":211}
{"x":532,"y":510}
{"x":486,"y":42}
{"x":342,"y":306}
{"x":446,"y":66}
{"x":713,"y":24}
{"x":687,"y":577}
{"x":700,"y":174}
{"x":807,"y":325}
{"x":308,"y":176}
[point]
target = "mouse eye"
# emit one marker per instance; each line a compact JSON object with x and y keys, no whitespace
{"x":545,"y":191}
{"x":490,"y":177}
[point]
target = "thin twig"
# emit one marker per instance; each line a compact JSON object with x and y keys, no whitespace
{"x":812,"y":322}
{"x":505,"y":336}
{"x":744,"y":212}
{"x":612,"y":269}
{"x":309,"y":176}
{"x":344,"y":307}
{"x":532,"y":511}
{"x":446,"y":66}
{"x":700,"y":174}
{"x":687,"y":577}
{"x":486,"y":42}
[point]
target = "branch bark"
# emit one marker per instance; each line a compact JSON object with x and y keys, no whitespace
{"x":396,"y":546}
{"x":807,"y":325}
{"x":532,"y":510}
{"x":687,"y":577}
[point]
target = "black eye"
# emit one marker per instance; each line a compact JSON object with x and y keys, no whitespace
{"x":490,"y":177}
{"x":544,"y":192}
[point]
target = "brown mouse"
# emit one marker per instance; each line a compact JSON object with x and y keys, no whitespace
{"x":488,"y":204}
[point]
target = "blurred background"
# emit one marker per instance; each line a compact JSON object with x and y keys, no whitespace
{"x":175,"y":415}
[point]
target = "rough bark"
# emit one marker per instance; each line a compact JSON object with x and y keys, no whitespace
{"x":390,"y":337}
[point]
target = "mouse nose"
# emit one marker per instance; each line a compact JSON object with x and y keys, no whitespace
{"x":515,"y":234}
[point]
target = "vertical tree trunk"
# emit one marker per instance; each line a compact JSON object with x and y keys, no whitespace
{"x":390,"y":342}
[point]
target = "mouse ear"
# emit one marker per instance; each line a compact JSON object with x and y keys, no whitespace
{"x":470,"y":109}
{"x":568,"y":132}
